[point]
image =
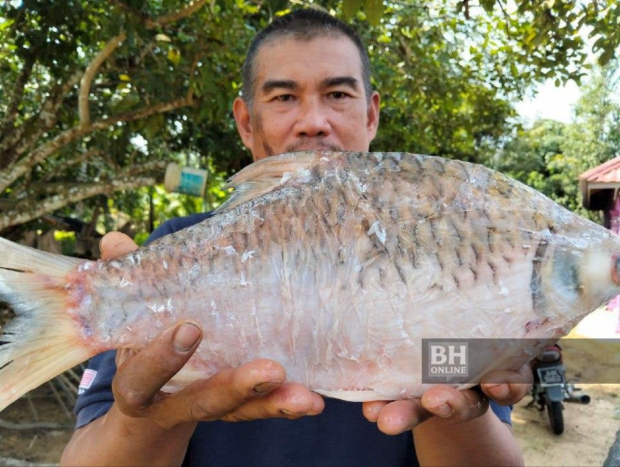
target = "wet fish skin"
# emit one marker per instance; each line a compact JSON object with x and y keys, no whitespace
{"x":341,"y":270}
{"x":336,"y":265}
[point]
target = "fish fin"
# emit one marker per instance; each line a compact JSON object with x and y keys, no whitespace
{"x":365,"y":395}
{"x":266,"y":175}
{"x":41,"y":342}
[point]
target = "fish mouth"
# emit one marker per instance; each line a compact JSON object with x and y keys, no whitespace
{"x":615,"y":268}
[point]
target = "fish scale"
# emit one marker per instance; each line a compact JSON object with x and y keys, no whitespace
{"x":336,"y":265}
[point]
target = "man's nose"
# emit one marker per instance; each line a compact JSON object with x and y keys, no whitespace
{"x":312,"y":120}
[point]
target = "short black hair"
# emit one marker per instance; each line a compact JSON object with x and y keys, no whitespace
{"x":303,"y":24}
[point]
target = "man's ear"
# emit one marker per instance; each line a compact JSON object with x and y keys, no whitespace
{"x":242,"y":118}
{"x":372,"y":123}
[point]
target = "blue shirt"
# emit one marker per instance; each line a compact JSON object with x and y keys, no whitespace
{"x":340,"y":436}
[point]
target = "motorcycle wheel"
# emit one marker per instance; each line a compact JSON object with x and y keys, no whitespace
{"x":556,"y":417}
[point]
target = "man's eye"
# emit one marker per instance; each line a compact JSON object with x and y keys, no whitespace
{"x":338,"y":95}
{"x":284,"y":98}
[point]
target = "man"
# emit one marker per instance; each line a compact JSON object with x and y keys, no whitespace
{"x":306,"y":87}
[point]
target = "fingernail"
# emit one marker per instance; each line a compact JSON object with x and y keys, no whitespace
{"x":444,"y":410}
{"x":185,"y":337}
{"x":265,"y":388}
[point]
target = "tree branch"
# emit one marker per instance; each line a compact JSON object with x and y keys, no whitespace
{"x":33,"y":208}
{"x":139,"y":15}
{"x":141,"y":113}
{"x":151,"y":23}
{"x":190,"y":90}
{"x":62,"y":167}
{"x":21,"y":139}
{"x":17,"y":94}
{"x":149,"y":47}
{"x":185,"y":12}
{"x":43,"y":151}
{"x":90,"y":73}
{"x":41,"y":188}
{"x":147,"y":167}
{"x":47,"y":117}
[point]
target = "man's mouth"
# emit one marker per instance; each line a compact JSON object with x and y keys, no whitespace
{"x":312,"y":146}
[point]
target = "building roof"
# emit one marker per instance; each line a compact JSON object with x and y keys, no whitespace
{"x":604,"y":177}
{"x":608,"y":172}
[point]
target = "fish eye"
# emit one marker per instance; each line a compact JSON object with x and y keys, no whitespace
{"x":565,"y":275}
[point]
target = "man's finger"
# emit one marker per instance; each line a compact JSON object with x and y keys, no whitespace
{"x":116,"y":244}
{"x":290,"y":400}
{"x":508,"y":387}
{"x":141,"y":377}
{"x":453,"y":405}
{"x":221,"y":394}
{"x":400,"y":416}
{"x":371,"y":410}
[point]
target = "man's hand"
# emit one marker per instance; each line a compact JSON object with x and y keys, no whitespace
{"x":255,"y":390}
{"x":452,"y":405}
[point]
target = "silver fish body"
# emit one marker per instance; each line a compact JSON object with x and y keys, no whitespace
{"x":337,"y":265}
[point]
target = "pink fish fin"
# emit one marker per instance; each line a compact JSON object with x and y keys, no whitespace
{"x":42,"y":341}
{"x":267,"y":175}
{"x":353,"y":396}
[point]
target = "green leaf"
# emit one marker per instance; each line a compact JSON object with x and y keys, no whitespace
{"x":513,"y":69}
{"x":5,"y":24}
{"x":599,"y":43}
{"x":350,"y":8}
{"x":277,"y":5}
{"x":162,"y":38}
{"x":374,"y":11}
{"x":606,"y":56}
{"x":488,"y":5}
{"x":174,"y":55}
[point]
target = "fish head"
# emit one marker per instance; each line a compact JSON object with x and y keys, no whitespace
{"x":580,"y":275}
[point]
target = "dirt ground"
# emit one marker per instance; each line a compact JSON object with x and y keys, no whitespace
{"x":36,"y":445}
{"x":590,"y":429}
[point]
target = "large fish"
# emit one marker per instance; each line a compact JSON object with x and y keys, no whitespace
{"x":336,"y":265}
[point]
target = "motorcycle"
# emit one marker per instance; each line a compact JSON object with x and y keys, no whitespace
{"x":551,"y":389}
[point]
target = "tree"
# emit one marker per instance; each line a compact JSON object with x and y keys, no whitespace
{"x":86,"y":84}
{"x":550,"y":155}
{"x":95,"y":103}
{"x":546,"y":33}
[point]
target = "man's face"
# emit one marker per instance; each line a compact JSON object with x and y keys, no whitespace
{"x":309,"y":95}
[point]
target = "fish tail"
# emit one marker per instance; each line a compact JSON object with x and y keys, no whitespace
{"x":43,"y":340}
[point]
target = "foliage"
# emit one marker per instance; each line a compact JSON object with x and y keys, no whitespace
{"x":443,"y":90}
{"x":544,"y":33}
{"x":550,"y":155}
{"x":159,"y":92}
{"x":66,"y":240}
{"x":95,"y":103}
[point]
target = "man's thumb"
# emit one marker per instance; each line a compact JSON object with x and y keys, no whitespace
{"x":116,"y":244}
